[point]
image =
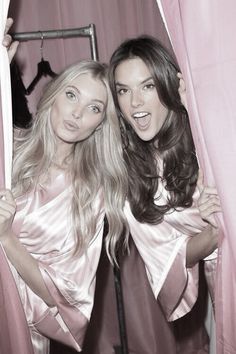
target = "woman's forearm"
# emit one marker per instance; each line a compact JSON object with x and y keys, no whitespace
{"x":201,"y":245}
{"x":26,"y":266}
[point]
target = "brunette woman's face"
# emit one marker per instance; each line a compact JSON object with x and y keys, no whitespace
{"x":78,"y":110}
{"x":138,"y":98}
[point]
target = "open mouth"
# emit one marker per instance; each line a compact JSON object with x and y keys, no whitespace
{"x":142,"y":119}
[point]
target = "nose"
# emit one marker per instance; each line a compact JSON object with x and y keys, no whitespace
{"x":77,"y":113}
{"x":136,"y":99}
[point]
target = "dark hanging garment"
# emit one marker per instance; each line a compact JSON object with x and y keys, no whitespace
{"x":20,"y":111}
{"x":147,"y":330}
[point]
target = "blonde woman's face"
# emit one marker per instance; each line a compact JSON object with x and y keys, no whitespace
{"x":138,"y":98}
{"x":78,"y":110}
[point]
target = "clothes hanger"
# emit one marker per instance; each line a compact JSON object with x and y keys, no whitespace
{"x":44,"y":69}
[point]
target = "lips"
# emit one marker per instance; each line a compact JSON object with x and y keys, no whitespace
{"x":70,"y":125}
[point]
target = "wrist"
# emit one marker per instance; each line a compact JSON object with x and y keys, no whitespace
{"x":6,"y":238}
{"x":212,"y":235}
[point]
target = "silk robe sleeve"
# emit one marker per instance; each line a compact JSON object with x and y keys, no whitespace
{"x":163,"y":250}
{"x":70,"y":279}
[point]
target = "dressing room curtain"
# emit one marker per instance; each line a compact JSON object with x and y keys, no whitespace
{"x":14,"y":334}
{"x":115,"y":20}
{"x":202,"y":33}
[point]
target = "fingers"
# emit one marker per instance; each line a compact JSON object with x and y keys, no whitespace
{"x":7,"y":206}
{"x":182,"y":87}
{"x":180,"y":75}
{"x":12,"y":50}
{"x":182,"y":90}
{"x":9,"y":23}
{"x":7,"y":40}
{"x":209,"y":205}
{"x":6,"y":196}
{"x":208,"y":202}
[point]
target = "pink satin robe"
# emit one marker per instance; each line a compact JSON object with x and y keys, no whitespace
{"x":163,"y":250}
{"x":44,"y":226}
{"x":160,"y":271}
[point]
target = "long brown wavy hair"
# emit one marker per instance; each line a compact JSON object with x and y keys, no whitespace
{"x":173,"y":143}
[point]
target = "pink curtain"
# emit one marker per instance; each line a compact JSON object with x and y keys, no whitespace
{"x":14,"y":333}
{"x":202,"y":33}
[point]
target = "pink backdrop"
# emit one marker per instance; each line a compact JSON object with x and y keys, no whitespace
{"x":115,"y":20}
{"x":202,"y":33}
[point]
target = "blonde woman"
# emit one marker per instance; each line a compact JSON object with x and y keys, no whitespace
{"x":66,"y":176}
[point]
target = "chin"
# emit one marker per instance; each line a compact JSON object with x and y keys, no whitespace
{"x":146,"y":137}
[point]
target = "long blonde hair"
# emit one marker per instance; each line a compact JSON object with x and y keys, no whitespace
{"x":97,"y":161}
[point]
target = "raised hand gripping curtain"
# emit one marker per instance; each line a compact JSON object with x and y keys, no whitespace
{"x":202,"y":33}
{"x":14,"y":333}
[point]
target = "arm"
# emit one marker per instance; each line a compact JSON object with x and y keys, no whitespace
{"x":17,"y":254}
{"x":69,"y":278}
{"x":206,"y":241}
{"x":203,"y":244}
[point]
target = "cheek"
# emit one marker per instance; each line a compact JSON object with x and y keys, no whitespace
{"x":55,"y":112}
{"x":53,"y":116}
{"x":95,"y":123}
{"x":124,"y":105}
{"x":160,"y":109}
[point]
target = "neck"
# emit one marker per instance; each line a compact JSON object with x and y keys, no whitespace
{"x":61,"y":164}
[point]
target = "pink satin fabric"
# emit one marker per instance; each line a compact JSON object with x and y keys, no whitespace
{"x":44,"y":226}
{"x":14,"y":332}
{"x":163,"y":250}
{"x":202,"y":34}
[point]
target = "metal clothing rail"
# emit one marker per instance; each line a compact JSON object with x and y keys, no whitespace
{"x":88,"y":31}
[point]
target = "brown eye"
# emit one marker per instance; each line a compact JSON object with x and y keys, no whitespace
{"x":150,"y":86}
{"x":122,"y":91}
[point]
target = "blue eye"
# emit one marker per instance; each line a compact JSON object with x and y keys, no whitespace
{"x":95,"y":109}
{"x":70,"y":95}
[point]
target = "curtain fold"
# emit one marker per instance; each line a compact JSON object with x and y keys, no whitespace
{"x":14,"y":332}
{"x":202,"y":34}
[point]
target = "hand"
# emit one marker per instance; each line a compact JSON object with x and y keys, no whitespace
{"x":7,"y":40}
{"x":182,"y":90}
{"x":7,"y":212}
{"x":208,"y":202}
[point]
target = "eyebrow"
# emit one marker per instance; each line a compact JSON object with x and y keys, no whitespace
{"x":92,"y":100}
{"x":142,"y":82}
